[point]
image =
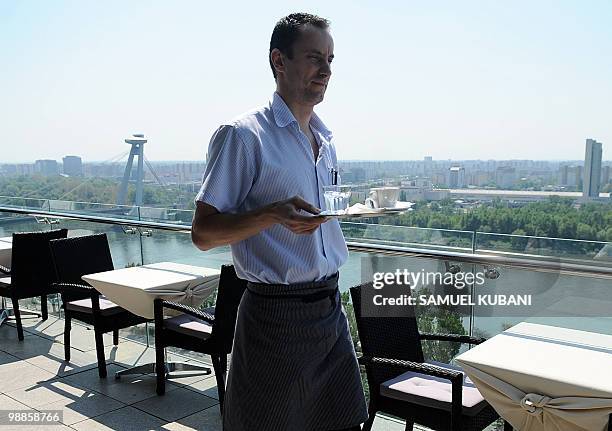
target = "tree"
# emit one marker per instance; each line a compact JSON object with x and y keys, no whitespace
{"x":519,"y":242}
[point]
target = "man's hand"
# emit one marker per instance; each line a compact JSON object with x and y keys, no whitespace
{"x":212,"y":229}
{"x":288,"y":214}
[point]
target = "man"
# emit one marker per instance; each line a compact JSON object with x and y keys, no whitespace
{"x":293,"y":364}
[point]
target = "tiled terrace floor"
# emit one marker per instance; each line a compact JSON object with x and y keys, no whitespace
{"x":34,"y":376}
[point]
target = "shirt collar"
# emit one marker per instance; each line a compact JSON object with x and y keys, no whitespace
{"x":283,"y":116}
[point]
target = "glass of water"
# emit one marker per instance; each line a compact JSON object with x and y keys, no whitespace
{"x":336,"y":199}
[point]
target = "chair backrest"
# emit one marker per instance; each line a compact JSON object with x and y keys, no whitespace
{"x":394,"y":337}
{"x":229,"y":294}
{"x":77,"y":256}
{"x":32,"y":268}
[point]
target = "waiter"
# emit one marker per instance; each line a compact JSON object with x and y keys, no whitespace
{"x":293,"y":365}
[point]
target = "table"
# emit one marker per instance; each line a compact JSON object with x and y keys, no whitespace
{"x":6,"y":251}
{"x":136,"y":288}
{"x":545,"y":378}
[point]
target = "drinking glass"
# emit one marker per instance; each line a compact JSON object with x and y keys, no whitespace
{"x":337,"y":199}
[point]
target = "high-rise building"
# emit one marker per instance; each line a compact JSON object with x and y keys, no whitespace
{"x":73,"y":166}
{"x":606,"y":175}
{"x":563,"y":173}
{"x":570,"y":176}
{"x":427,"y":165}
{"x":46,"y":167}
{"x":505,"y":176}
{"x":480,"y":178}
{"x":592,"y":169}
{"x":456,"y":177}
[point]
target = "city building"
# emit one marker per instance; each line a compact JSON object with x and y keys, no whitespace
{"x":570,"y":176}
{"x":606,"y":175}
{"x":480,"y":178}
{"x":353,"y":175}
{"x":592,"y":169}
{"x":427,"y":165}
{"x":46,"y":167}
{"x":505,"y":176}
{"x":486,"y":195}
{"x":73,"y":166}
{"x":456,"y":177}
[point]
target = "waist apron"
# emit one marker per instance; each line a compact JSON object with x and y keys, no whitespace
{"x":293,"y":364}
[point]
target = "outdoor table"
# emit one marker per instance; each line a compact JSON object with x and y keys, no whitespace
{"x":6,"y":250}
{"x":136,"y":288}
{"x":545,"y":378}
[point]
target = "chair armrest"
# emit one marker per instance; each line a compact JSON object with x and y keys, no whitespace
{"x":453,"y":337}
{"x":75,"y":288}
{"x":5,"y":270}
{"x":200,"y":314}
{"x":418,"y":367}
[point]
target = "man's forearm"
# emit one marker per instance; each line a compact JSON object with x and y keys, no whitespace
{"x":223,"y":229}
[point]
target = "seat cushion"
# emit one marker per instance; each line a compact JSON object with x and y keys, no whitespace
{"x":434,"y":392}
{"x":107,"y":307}
{"x":189,"y":325}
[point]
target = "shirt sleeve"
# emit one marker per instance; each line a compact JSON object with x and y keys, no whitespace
{"x":229,"y":172}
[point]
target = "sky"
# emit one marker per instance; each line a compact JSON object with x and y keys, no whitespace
{"x":448,"y":79}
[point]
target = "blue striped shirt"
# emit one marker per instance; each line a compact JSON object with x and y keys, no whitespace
{"x":262,"y":157}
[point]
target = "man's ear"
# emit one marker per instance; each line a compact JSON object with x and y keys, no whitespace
{"x":276,"y":56}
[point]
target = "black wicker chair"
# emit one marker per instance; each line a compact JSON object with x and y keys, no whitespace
{"x":208,"y":331}
{"x":31,"y":273}
{"x":391,"y":346}
{"x":73,"y":258}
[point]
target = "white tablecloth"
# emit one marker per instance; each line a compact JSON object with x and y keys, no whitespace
{"x":545,"y":378}
{"x":6,"y":250}
{"x":136,"y":288}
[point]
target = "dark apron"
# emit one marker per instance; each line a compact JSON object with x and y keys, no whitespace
{"x":293,"y":364}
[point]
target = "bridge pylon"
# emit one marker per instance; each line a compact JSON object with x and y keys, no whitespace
{"x":137,"y":142}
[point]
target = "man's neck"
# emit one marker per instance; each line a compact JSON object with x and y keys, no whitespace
{"x":302,"y":113}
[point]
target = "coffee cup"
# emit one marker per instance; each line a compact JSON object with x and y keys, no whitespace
{"x":383,"y":197}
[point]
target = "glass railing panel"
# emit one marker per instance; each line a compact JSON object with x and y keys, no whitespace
{"x":166,"y":215}
{"x":587,"y":252}
{"x":11,"y":223}
{"x":404,"y":236}
{"x":124,"y":242}
{"x":426,"y":280}
{"x":24,"y":203}
{"x":136,"y":246}
{"x":168,"y":246}
{"x":95,"y":209}
{"x":577,"y":302}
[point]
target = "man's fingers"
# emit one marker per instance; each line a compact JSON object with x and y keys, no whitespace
{"x":300,"y":203}
{"x":306,"y":224}
{"x":306,"y":219}
{"x":305,"y":231}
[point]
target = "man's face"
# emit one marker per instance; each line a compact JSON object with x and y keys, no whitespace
{"x":307,"y":74}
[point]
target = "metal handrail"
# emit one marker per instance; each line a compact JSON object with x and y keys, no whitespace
{"x":543,"y":264}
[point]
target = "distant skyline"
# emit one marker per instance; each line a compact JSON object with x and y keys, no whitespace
{"x":456,"y":80}
{"x":123,"y":160}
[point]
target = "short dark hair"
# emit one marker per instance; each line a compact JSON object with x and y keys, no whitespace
{"x":287,"y":30}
